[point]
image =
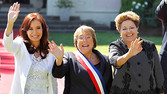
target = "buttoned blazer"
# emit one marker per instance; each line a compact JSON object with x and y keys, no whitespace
{"x":23,"y":63}
{"x":161,"y":13}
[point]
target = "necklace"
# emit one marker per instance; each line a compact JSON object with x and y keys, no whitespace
{"x":33,"y":47}
{"x":36,"y":59}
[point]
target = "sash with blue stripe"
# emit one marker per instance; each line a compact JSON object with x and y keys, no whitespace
{"x":94,"y":74}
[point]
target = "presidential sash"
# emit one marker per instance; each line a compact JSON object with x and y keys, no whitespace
{"x":94,"y":74}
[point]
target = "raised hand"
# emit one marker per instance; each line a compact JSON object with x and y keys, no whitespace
{"x":13,"y":12}
{"x":135,"y":47}
{"x":12,"y":16}
{"x":56,"y":51}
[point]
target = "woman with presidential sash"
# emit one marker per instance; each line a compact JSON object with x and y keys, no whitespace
{"x":86,"y":71}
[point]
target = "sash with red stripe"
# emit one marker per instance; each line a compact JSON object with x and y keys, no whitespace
{"x":94,"y":74}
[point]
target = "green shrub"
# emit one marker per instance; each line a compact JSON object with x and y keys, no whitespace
{"x":64,"y":4}
{"x":144,"y":8}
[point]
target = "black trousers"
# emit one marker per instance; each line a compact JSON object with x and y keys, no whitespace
{"x":165,"y":86}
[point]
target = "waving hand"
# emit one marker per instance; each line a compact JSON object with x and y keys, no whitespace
{"x":135,"y":47}
{"x":12,"y":16}
{"x":13,"y":12}
{"x":57,"y":52}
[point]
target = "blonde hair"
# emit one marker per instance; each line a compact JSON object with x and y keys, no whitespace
{"x":128,"y":15}
{"x":84,"y":28}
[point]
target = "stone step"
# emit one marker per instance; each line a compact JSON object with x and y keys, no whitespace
{"x":21,"y":5}
{"x":54,"y":23}
{"x":58,"y":27}
{"x":71,"y":30}
{"x":23,"y":8}
{"x":23,"y":14}
{"x":6,"y":66}
{"x":7,"y":60}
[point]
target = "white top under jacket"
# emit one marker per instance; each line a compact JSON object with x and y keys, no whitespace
{"x":23,"y":63}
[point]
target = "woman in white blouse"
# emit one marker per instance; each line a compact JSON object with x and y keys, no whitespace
{"x":33,"y":62}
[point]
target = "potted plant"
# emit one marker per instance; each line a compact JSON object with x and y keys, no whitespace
{"x":64,"y":9}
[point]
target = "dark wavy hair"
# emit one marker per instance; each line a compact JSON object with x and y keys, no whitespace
{"x":43,"y":47}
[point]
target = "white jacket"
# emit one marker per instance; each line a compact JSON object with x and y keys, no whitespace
{"x":23,"y":63}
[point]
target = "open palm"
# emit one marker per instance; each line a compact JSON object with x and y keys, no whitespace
{"x":56,"y":51}
{"x":135,"y":47}
{"x":13,"y":12}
